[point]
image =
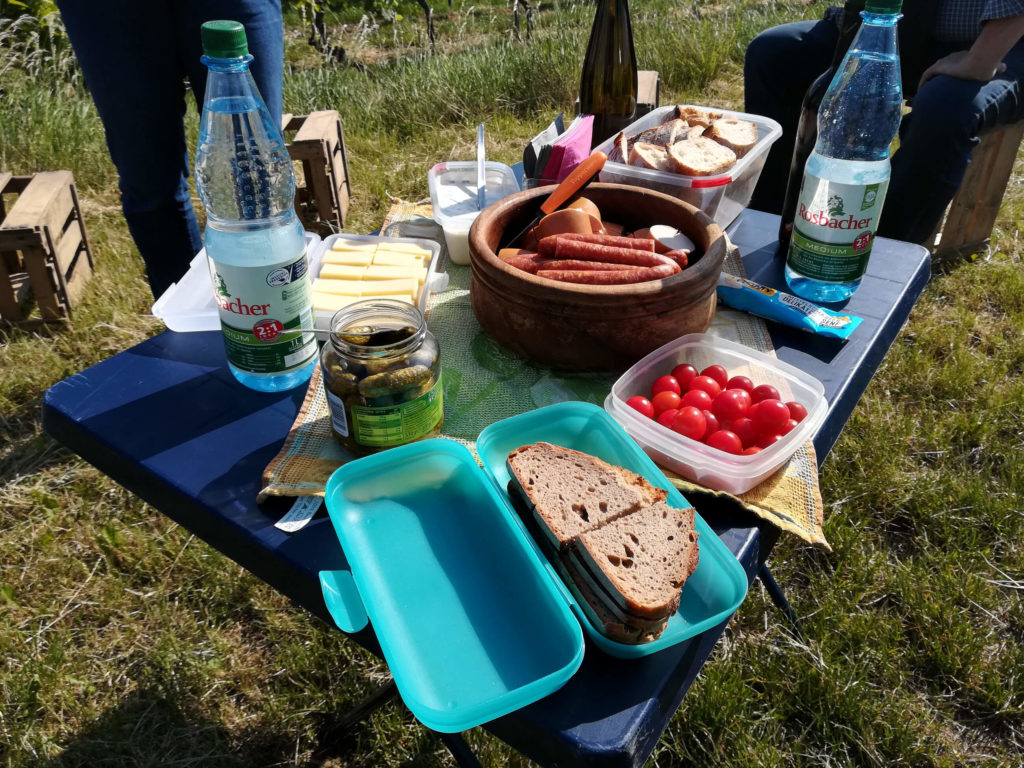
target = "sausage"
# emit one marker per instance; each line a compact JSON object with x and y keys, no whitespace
{"x":630,"y":257}
{"x":610,"y":277}
{"x":680,"y":257}
{"x":520,"y":258}
{"x":589,"y":266}
{"x":548,"y":245}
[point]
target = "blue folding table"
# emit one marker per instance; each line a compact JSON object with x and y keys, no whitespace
{"x":167,"y":420}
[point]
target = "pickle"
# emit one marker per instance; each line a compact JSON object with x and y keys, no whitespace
{"x":391,"y":382}
{"x":343,"y":384}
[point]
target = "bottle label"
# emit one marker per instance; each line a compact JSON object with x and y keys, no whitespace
{"x":834,"y":228}
{"x":383,"y":427}
{"x":258,"y":308}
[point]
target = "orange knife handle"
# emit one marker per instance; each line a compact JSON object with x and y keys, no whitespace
{"x":580,"y":175}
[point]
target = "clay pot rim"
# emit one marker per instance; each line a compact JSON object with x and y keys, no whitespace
{"x":709,"y":266}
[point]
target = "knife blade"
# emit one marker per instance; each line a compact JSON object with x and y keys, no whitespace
{"x":580,"y":177}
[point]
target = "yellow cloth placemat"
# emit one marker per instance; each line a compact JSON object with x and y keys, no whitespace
{"x":484,"y":383}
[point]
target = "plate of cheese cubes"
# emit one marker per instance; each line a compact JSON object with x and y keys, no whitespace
{"x":353,"y":268}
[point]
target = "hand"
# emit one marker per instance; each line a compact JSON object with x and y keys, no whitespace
{"x":963,"y":66}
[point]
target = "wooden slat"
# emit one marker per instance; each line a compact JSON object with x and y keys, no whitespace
{"x":317,"y":126}
{"x":81,"y":227}
{"x":45,"y":203}
{"x":68,"y":247}
{"x":44,"y":283}
{"x":339,"y":173}
{"x":77,"y":281}
{"x":975,"y":207}
{"x":10,"y":301}
{"x":648,"y":92}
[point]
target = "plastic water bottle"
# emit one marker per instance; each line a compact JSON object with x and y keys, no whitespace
{"x":847,"y":174}
{"x":254,"y":240}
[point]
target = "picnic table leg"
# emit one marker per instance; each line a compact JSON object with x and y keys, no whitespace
{"x":777,"y":596}
{"x":460,"y":750}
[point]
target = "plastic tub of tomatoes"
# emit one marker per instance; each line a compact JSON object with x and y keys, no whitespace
{"x":717,"y":413}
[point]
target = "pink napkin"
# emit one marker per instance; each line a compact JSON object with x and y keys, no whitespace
{"x":570,"y":148}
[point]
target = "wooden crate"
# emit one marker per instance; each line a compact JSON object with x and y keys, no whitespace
{"x":44,"y":250}
{"x":323,"y":189}
{"x":972,"y":214}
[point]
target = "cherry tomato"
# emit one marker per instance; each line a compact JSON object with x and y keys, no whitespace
{"x":666,"y":401}
{"x":731,"y":404}
{"x":718,"y":373}
{"x":766,"y":440}
{"x":665,"y":417}
{"x":740,"y":382}
{"x":727,"y":441}
{"x":665,"y":384}
{"x":764,"y":392}
{"x":713,"y":424}
{"x":789,"y":426}
{"x":745,"y":430}
{"x":698,"y":398}
{"x":796,"y":411}
{"x":769,"y":416}
{"x":751,"y":450}
{"x":684,"y":373}
{"x":690,"y":422}
{"x":641,"y":404}
{"x":706,"y":383}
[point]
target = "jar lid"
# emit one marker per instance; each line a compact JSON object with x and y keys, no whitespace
{"x":224,"y":39}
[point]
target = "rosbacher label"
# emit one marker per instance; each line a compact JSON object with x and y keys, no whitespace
{"x":834,"y":229}
{"x":259,"y":309}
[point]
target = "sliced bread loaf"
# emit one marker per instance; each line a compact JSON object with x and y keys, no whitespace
{"x":641,"y":561}
{"x":573,"y":492}
{"x":701,"y":156}
{"x":738,"y":135}
{"x":654,"y":156}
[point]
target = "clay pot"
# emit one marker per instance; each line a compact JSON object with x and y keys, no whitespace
{"x":593,"y":327}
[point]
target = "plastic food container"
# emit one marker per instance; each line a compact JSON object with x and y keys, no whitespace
{"x":453,"y":197}
{"x":694,"y":460}
{"x":435,"y":281}
{"x":468,"y":619}
{"x":188,"y":305}
{"x":721,"y":196}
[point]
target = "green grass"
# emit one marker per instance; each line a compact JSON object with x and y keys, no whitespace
{"x":126,"y":642}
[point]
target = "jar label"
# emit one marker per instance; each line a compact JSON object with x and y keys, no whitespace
{"x":834,"y":228}
{"x":386,"y":426}
{"x":258,"y":306}
{"x":337,"y":408}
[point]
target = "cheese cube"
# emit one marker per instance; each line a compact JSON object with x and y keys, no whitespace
{"x":387,"y":272}
{"x":390,"y":287}
{"x":397,"y":259}
{"x":343,"y":287}
{"x":360,"y":258}
{"x":413,"y":248}
{"x":354,"y":245}
{"x":331,"y":302}
{"x":343,"y":271}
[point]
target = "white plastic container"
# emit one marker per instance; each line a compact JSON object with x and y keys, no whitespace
{"x":436,"y":279}
{"x":694,"y":460}
{"x":453,"y":197}
{"x":188,"y":305}
{"x":721,"y":196}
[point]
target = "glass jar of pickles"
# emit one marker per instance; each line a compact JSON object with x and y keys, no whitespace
{"x":382,"y":376}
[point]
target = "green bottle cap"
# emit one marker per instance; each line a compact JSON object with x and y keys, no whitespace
{"x":883,"y":6}
{"x":224,"y":39}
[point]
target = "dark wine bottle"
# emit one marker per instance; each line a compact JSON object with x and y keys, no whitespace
{"x":807,"y":128}
{"x":608,"y":86}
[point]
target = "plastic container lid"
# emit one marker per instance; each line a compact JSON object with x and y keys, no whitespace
{"x":692,"y":459}
{"x":470,"y":623}
{"x":454,"y":200}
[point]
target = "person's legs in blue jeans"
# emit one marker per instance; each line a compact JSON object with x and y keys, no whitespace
{"x":780,"y":64}
{"x":135,"y":57}
{"x":936,"y":141}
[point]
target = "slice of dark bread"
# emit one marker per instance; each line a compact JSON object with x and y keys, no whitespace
{"x":573,"y":492}
{"x":642,"y":560}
